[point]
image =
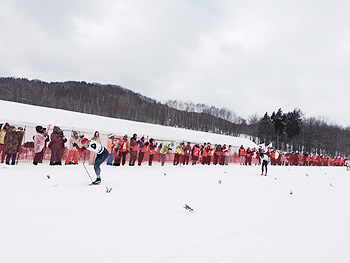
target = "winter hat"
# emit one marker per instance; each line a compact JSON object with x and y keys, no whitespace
{"x":110,"y":136}
{"x":6,"y":126}
{"x":56,"y":129}
{"x":38,"y":129}
{"x":75,"y":133}
{"x":84,"y":141}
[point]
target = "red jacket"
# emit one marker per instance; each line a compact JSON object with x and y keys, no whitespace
{"x":123,"y":146}
{"x":241,"y":152}
{"x":195,"y":151}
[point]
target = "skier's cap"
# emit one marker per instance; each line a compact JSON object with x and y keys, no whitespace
{"x":110,"y":136}
{"x":74,"y":133}
{"x":84,"y":141}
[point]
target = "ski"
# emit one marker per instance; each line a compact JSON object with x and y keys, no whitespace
{"x":95,"y":183}
{"x":188,"y":208}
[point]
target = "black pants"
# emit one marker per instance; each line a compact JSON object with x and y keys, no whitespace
{"x":38,"y":156}
{"x":150,"y":159}
{"x":141,"y":155}
{"x":186,"y":159}
{"x":264,"y":164}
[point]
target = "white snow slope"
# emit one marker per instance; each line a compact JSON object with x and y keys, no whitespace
{"x":295,"y":214}
{"x":18,"y":114}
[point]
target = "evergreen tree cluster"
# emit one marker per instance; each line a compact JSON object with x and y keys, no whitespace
{"x":291,"y":132}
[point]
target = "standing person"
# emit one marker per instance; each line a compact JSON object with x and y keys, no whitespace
{"x":242,"y":154}
{"x":123,"y":150}
{"x":187,"y":153}
{"x":217,"y":154}
{"x":39,"y":143}
{"x":2,"y":140}
{"x":12,"y":144}
{"x":265,"y":162}
{"x":151,"y":151}
{"x":195,"y":154}
{"x":116,"y":154}
{"x":163,"y":152}
{"x":56,"y":140}
{"x":46,"y":141}
{"x":73,"y":151}
{"x":178,"y":152}
{"x":209,"y":153}
{"x":249,"y":155}
{"x":227,"y":156}
{"x":223,"y":154}
{"x":93,"y":155}
{"x":347,"y":163}
{"x":133,"y":149}
{"x":142,"y":150}
{"x":110,"y":148}
{"x":101,"y":155}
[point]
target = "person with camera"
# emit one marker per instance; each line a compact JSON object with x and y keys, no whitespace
{"x":56,"y":141}
{"x":39,"y":143}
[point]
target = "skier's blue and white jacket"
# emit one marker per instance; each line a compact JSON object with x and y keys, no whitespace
{"x":95,"y":147}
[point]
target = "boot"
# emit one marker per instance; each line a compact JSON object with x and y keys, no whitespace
{"x":98,"y":181}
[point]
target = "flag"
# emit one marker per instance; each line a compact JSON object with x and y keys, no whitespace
{"x":269,"y":146}
{"x":261,"y":146}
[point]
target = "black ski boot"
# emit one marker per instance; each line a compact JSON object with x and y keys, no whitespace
{"x":98,"y":181}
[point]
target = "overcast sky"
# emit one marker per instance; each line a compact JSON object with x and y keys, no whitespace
{"x":250,"y":56}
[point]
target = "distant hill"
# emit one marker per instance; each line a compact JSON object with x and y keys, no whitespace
{"x":112,"y":101}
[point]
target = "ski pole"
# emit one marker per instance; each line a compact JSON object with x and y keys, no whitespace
{"x":84,"y":165}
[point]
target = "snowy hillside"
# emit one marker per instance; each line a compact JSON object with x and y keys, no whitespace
{"x":28,"y":115}
{"x":295,"y":214}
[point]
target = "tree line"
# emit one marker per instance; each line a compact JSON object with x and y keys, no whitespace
{"x":287,"y":131}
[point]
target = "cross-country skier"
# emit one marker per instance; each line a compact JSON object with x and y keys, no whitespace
{"x":102,"y":154}
{"x":265,"y":162}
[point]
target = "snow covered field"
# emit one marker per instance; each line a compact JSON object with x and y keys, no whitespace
{"x":295,"y":214}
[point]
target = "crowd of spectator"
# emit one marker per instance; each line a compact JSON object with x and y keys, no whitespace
{"x":138,"y":150}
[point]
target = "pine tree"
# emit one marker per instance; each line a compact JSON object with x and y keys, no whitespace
{"x":265,"y":130}
{"x":278,"y":120}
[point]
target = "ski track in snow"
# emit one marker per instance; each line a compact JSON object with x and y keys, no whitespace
{"x":295,"y":214}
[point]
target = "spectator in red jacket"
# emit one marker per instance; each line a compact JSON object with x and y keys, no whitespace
{"x":142,"y":150}
{"x":187,"y":153}
{"x":223,"y":154}
{"x":242,"y":155}
{"x":123,"y":150}
{"x":195,"y":154}
{"x":152,"y":146}
{"x":74,"y":141}
{"x":133,"y":150}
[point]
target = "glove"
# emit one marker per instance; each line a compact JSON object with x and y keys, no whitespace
{"x":83,"y":149}
{"x":75,"y":145}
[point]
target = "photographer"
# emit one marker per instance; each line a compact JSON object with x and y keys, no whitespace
{"x":39,"y":143}
{"x":56,"y":140}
